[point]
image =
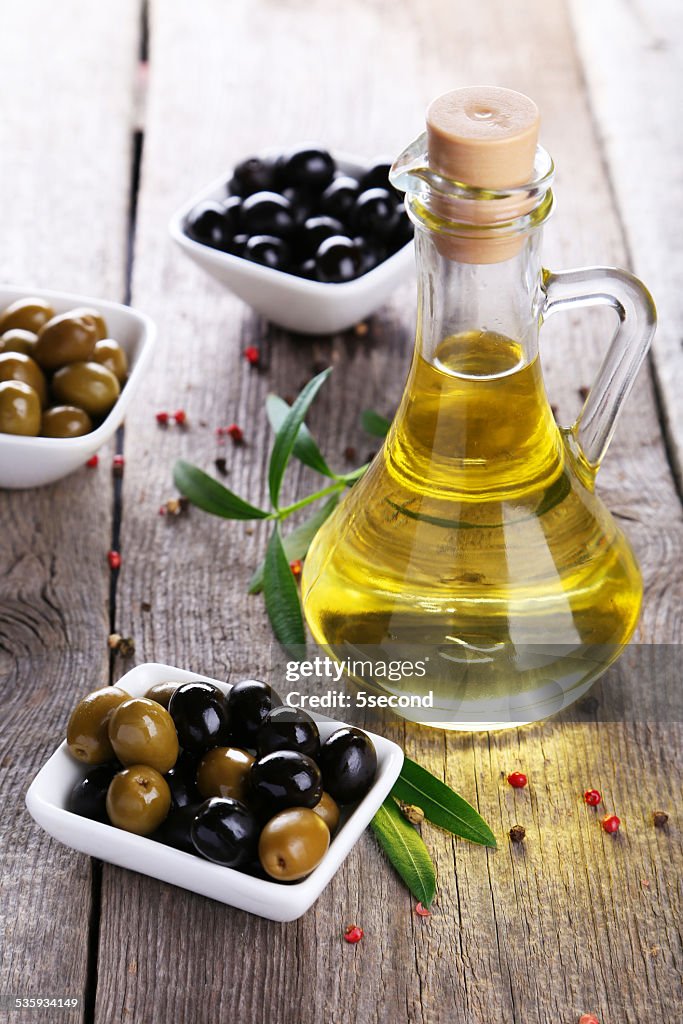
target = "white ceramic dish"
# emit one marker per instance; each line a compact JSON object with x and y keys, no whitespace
{"x":309,"y":307}
{"x":35,"y":461}
{"x":49,"y":791}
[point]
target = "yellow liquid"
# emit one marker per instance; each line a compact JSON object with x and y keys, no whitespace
{"x":476,"y":541}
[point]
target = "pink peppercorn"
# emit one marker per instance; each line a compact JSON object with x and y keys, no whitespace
{"x":114,"y":559}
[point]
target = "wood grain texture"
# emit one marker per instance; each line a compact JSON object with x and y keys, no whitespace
{"x":573,"y":920}
{"x":65,"y":133}
{"x":633,"y":59}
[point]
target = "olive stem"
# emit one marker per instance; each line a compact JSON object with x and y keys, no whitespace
{"x":283,"y":513}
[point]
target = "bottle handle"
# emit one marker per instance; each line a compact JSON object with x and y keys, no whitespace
{"x":634,"y":306}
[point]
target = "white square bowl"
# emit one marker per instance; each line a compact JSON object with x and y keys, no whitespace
{"x":308,"y":307}
{"x":48,"y":794}
{"x":36,"y":461}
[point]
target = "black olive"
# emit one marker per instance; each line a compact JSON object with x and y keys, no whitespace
{"x":268,"y":251}
{"x":176,"y":829}
{"x":372,"y":253}
{"x":238,"y":244}
{"x":302,"y":201}
{"x":232,"y":211}
{"x":249,"y":702}
{"x":284,"y":779}
{"x":289,"y":729}
{"x":89,"y":796}
{"x":377,"y":176}
{"x":226,"y":832}
{"x":376,"y":213}
{"x":267,"y":213}
{"x":308,"y":270}
{"x":200,"y":716}
{"x":337,"y":260}
{"x":313,"y":231}
{"x":339,"y":198}
{"x":348,"y":761}
{"x":402,"y":233}
{"x":311,"y":168}
{"x":182,"y":780}
{"x":255,"y":174}
{"x":208,"y":224}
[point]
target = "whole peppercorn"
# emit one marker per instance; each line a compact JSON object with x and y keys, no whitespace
{"x":180,"y":416}
{"x":93,"y":461}
{"x":517,"y":833}
{"x":117,"y":464}
{"x":162,"y":418}
{"x":353,"y":934}
{"x":592,"y":797}
{"x":235,"y":432}
{"x":660,"y":818}
{"x":114,"y":559}
{"x":588,"y":1018}
{"x":252,"y":355}
{"x":611,"y":823}
{"x":517,"y":780}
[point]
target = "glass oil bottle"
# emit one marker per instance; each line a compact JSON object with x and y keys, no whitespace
{"x":475,"y":546}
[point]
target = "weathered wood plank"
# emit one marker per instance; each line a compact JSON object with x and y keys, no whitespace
{"x":65,"y":133}
{"x":632,"y":54}
{"x":539,"y":934}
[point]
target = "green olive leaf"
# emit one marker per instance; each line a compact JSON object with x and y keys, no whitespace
{"x":441,"y":805}
{"x":297,"y":543}
{"x":282,"y":597}
{"x":211,"y":496}
{"x":286,"y":436}
{"x":405,"y":849}
{"x":305,"y":447}
{"x":374,"y":424}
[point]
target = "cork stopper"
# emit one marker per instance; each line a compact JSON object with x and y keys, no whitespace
{"x":484,"y":137}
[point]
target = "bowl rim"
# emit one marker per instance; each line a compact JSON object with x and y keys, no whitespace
{"x":283,"y":277}
{"x":299,"y":895}
{"x":147,"y":340}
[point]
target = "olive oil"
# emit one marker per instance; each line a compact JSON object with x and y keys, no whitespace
{"x":475,"y":541}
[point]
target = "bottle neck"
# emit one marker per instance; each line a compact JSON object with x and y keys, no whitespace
{"x":458,"y":300}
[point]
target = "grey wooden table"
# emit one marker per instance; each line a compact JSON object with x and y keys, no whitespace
{"x":573,"y":921}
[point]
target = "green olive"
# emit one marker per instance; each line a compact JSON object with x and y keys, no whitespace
{"x":293,"y":843}
{"x":162,"y":693}
{"x":87,"y":734}
{"x":138,"y":800}
{"x":19,"y":409}
{"x":110,"y":354}
{"x":17,"y":366}
{"x":65,"y":421}
{"x":66,"y":339}
{"x":92,"y":314}
{"x":328,"y":811}
{"x":18,"y":340}
{"x":90,"y":386}
{"x":142,"y":732}
{"x":29,"y":314}
{"x":224,"y":771}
